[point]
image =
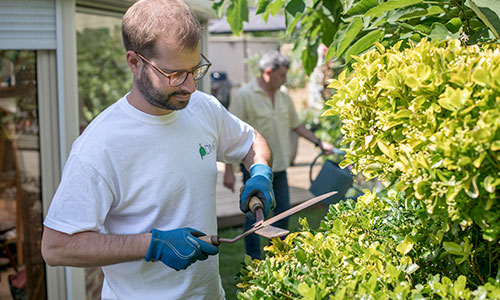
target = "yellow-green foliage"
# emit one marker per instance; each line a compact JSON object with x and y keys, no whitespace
{"x":357,"y":253}
{"x":426,"y":119}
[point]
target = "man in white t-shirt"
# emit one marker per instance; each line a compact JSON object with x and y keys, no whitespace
{"x":138,"y":188}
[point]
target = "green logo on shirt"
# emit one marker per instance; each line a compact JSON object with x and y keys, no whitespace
{"x":206,"y":149}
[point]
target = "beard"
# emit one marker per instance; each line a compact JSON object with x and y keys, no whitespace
{"x":158,"y":99}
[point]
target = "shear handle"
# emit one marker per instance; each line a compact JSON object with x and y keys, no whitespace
{"x":255,"y":206}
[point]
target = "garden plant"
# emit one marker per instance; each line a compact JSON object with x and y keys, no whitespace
{"x":433,"y":139}
{"x":420,"y":112}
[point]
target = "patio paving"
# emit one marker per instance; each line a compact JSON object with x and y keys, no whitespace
{"x":228,"y":211}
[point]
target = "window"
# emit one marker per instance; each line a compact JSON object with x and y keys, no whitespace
{"x":20,"y":201}
{"x":103,"y":74}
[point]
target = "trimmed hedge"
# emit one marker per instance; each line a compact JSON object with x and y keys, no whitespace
{"x":425,"y":121}
{"x":359,"y":252}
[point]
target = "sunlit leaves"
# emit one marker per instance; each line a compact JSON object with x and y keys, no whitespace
{"x":427,"y":119}
{"x":351,"y":27}
{"x":364,"y":250}
{"x":405,"y":246}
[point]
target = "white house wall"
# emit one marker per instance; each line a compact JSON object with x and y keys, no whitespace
{"x":228,"y":54}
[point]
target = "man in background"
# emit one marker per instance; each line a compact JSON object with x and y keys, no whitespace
{"x":265,"y":104}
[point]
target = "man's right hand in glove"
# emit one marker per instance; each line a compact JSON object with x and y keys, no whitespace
{"x":179,"y":248}
{"x":260,"y":185}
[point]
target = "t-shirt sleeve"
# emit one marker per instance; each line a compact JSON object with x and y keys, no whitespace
{"x":293,"y":116}
{"x":235,"y":138}
{"x":82,"y":200}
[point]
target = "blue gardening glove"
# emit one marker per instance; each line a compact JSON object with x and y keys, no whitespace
{"x":259,"y":185}
{"x":179,"y":248}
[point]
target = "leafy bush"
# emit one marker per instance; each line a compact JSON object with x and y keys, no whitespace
{"x":425,"y":121}
{"x":359,"y":252}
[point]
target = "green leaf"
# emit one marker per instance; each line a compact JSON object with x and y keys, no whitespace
{"x":474,"y":192}
{"x":481,"y":77}
{"x":454,"y":24}
{"x":440,"y":32}
{"x":453,"y":248}
{"x":433,"y":10}
{"x":495,"y":146}
{"x":403,"y":113}
{"x":362,"y":7}
{"x":307,"y":292}
{"x":248,"y":259}
{"x":328,"y":31}
{"x":489,"y":12}
{"x":390,"y":5}
{"x":412,"y":269}
{"x":453,"y":99}
{"x":491,"y":183}
{"x":364,"y":43}
{"x":405,"y":246}
{"x":421,"y":189}
{"x":295,"y":6}
{"x":352,"y":32}
{"x":237,"y":13}
{"x":310,"y":57}
{"x":390,"y":151}
{"x":219,"y":8}
{"x":422,"y":28}
{"x":262,"y":6}
{"x":275,"y":6}
{"x":460,"y":285}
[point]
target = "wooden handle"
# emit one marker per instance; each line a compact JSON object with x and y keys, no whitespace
{"x":255,"y":203}
{"x":211,"y":239}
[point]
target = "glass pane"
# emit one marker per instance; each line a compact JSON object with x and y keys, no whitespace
{"x":21,"y":265}
{"x":103,"y":73}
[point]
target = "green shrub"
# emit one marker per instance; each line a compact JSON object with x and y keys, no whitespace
{"x":425,"y":121}
{"x":359,"y":252}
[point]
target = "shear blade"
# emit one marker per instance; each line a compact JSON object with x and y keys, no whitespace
{"x":272,"y":232}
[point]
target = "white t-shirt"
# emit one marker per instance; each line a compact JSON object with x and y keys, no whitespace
{"x":130,"y":172}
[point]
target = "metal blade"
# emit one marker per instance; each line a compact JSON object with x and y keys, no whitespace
{"x":272,"y":232}
{"x":276,"y":218}
{"x":297,"y":208}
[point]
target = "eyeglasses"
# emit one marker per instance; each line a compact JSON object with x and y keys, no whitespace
{"x":178,"y":77}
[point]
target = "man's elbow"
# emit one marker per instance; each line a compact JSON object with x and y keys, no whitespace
{"x":49,"y":255}
{"x":50,"y":249}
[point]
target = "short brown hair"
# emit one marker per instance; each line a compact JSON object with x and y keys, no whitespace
{"x":149,"y":20}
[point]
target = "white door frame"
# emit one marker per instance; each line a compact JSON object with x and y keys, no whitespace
{"x":59,"y":127}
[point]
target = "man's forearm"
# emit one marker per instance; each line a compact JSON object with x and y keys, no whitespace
{"x":306,"y":133}
{"x":259,"y":153}
{"x":91,"y":249}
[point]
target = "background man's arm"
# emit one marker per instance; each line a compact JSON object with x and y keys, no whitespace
{"x":309,"y":135}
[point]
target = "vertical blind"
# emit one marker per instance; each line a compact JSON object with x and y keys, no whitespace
{"x":27,"y":24}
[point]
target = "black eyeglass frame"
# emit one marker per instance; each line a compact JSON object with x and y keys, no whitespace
{"x":169,"y":76}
